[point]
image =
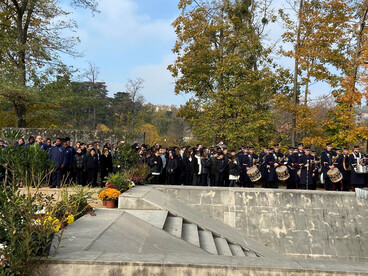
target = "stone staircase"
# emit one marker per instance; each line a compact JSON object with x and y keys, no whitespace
{"x":205,"y":239}
{"x":192,"y":233}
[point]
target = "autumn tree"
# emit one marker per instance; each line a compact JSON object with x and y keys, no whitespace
{"x":31,"y":39}
{"x":222,"y":63}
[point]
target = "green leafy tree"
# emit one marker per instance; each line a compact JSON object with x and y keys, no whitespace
{"x":31,"y":39}
{"x":222,"y":62}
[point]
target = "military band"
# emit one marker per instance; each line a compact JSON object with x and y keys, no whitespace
{"x":301,"y":168}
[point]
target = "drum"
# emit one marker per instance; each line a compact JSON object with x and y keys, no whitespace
{"x":254,"y":174}
{"x":361,"y":169}
{"x":282,"y":173}
{"x":335,"y":175}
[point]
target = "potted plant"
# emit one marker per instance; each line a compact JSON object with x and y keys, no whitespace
{"x":111,"y":196}
{"x":102,"y":196}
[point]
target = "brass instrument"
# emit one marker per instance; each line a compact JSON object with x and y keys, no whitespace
{"x":345,"y":163}
{"x":334,"y":158}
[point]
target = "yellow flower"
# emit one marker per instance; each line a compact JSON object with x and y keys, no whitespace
{"x":70,"y":219}
{"x":112,"y":193}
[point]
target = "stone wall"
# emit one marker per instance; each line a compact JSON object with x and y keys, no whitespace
{"x":79,"y":135}
{"x":299,"y":224}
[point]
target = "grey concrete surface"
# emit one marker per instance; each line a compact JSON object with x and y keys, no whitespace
{"x":299,"y":224}
{"x":132,"y":242}
{"x":150,"y":198}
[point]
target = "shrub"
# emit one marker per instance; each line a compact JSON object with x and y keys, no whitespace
{"x":118,"y":181}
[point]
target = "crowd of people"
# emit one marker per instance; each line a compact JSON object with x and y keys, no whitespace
{"x":300,"y":168}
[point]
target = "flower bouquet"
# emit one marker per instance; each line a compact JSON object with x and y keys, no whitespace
{"x":110,"y":195}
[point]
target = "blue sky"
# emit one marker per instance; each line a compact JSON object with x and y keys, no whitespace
{"x":134,"y":38}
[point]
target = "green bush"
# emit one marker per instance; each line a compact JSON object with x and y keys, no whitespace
{"x":28,"y":223}
{"x":27,"y":165}
{"x":118,"y":181}
{"x":125,"y":157}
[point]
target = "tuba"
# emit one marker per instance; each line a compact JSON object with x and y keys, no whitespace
{"x":345,"y":163}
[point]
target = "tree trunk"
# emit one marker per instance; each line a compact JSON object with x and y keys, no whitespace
{"x":20,"y":112}
{"x":296,"y":72}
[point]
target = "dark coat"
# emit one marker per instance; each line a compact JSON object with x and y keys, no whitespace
{"x":326,"y":161}
{"x":234,"y":168}
{"x":213,"y":165}
{"x":220,"y":165}
{"x":250,"y":158}
{"x":206,"y":166}
{"x":270,"y":160}
{"x":355,"y":178}
{"x":263,"y":165}
{"x":57,"y":155}
{"x":171,"y":166}
{"x":195,"y":165}
{"x":340,"y":166}
{"x":106,"y":163}
{"x":306,"y":177}
{"x":156,"y":165}
{"x":69,"y":156}
{"x":91,"y":162}
{"x":79,"y":161}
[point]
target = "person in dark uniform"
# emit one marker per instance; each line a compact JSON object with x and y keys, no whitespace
{"x":355,"y":160}
{"x":263,"y":166}
{"x":338,"y":185}
{"x":220,"y":165}
{"x":68,"y":164}
{"x":91,"y":165}
{"x":243,"y":160}
{"x":290,"y":183}
{"x":327,"y":164}
{"x":280,"y":156}
{"x":156,"y":167}
{"x":299,"y":155}
{"x":306,"y":164}
{"x":106,"y":165}
{"x":57,"y":155}
{"x":251,"y":161}
{"x":271,"y":165}
{"x":343,"y":165}
{"x":316,"y":167}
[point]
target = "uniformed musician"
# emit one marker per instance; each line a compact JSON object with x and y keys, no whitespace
{"x":251,"y":162}
{"x":307,"y":168}
{"x":355,"y":160}
{"x":272,"y":163}
{"x":327,"y":164}
{"x":317,"y":164}
{"x":344,"y":167}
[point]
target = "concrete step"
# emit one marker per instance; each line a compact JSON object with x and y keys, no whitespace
{"x":174,"y":226}
{"x":190,"y":233}
{"x":154,"y":217}
{"x":207,"y":242}
{"x":223,"y":247}
{"x":236,"y":250}
{"x":250,"y":254}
